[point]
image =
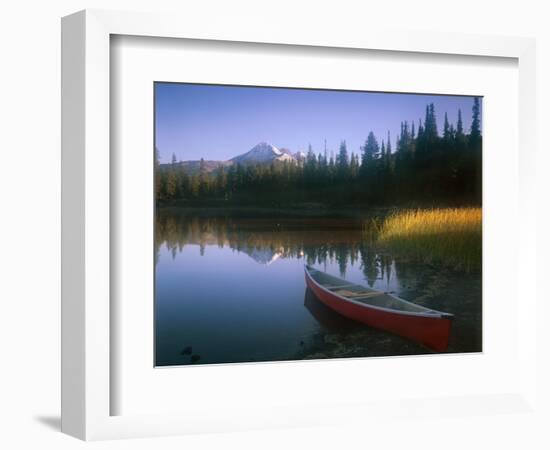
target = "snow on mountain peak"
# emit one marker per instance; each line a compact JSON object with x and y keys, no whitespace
{"x":260,"y":153}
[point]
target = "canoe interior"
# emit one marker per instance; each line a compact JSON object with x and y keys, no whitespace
{"x":365,"y":295}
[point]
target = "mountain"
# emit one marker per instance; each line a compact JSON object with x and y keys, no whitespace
{"x":262,"y":256}
{"x":262,"y":153}
{"x":286,"y":151}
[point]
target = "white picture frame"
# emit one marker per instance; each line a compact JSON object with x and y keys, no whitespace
{"x":86,"y":221}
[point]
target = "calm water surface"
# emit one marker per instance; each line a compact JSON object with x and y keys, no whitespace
{"x":233,"y":290}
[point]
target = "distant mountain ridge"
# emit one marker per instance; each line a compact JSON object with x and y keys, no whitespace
{"x":262,"y":153}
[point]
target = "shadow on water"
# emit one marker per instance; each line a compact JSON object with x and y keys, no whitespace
{"x":233,"y":288}
{"x":328,"y":320}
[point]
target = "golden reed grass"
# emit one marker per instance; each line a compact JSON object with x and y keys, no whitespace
{"x":451,"y":236}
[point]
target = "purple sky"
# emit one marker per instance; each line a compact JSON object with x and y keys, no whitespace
{"x":220,"y":122}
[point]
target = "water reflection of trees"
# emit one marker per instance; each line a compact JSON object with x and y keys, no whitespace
{"x":319,"y":241}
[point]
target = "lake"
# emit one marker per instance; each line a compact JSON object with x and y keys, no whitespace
{"x":231,"y":288}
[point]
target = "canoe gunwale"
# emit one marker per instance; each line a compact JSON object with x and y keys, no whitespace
{"x":433,"y":315}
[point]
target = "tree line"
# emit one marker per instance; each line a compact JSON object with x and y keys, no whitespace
{"x":425,"y":166}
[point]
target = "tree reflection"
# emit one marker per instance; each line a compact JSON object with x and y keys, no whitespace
{"x":319,"y":241}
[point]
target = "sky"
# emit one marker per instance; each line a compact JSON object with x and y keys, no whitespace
{"x":216,"y":122}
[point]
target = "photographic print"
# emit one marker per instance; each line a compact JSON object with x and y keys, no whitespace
{"x":295,"y":224}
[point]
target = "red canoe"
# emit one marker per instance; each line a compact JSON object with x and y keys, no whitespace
{"x":381,"y":310}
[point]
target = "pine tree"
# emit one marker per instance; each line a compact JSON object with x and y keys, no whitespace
{"x":446,"y":129}
{"x":203,"y":177}
{"x":460,"y":137}
{"x":420,"y":134}
{"x":434,"y":121}
{"x":194,"y":186}
{"x":475,"y":130}
{"x":370,"y":150}
{"x":401,"y":144}
{"x":221,"y":181}
{"x":171,"y":184}
{"x":405,"y":139}
{"x":459,"y":127}
{"x":157,"y":174}
{"x":171,"y":180}
{"x":430,"y":125}
{"x":331,"y":166}
{"x":427,"y":122}
{"x":311,"y":160}
{"x":342,"y":159}
{"x":474,"y":141}
{"x":310,"y":153}
{"x":354,"y":165}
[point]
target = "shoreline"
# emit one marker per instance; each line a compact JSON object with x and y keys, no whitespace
{"x":297,"y":210}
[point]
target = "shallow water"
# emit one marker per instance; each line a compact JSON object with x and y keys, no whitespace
{"x":232,"y":289}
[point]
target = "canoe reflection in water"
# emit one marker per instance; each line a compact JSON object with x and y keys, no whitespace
{"x":328,"y":319}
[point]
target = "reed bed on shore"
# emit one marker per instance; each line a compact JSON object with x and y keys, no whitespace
{"x":451,"y":236}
